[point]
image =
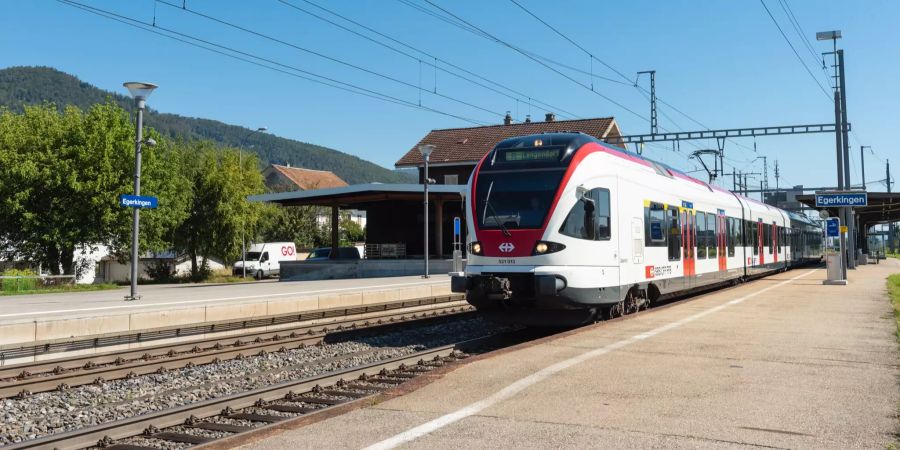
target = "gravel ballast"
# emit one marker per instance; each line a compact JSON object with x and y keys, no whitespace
{"x":84,"y":406}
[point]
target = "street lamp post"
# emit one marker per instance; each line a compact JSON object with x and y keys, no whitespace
{"x":426,"y":150}
{"x":140,"y":91}
{"x":241,"y":169}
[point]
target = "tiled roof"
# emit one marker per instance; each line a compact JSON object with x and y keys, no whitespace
{"x":469,"y":145}
{"x":309,"y":179}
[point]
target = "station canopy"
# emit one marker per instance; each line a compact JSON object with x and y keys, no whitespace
{"x":883,"y":207}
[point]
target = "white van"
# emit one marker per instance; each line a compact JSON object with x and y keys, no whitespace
{"x":265,"y":259}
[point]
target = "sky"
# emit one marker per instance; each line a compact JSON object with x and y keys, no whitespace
{"x":722,"y":63}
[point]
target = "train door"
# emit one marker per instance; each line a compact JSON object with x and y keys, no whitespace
{"x":760,"y":244}
{"x":720,"y":241}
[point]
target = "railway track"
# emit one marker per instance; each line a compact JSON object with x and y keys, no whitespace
{"x":232,"y":415}
{"x":22,"y":380}
{"x":227,"y":419}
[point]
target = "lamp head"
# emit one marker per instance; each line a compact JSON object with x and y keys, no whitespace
{"x":828,"y":35}
{"x":139,"y":90}
{"x":426,"y":150}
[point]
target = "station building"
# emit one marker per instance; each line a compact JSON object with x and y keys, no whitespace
{"x":394,"y":212}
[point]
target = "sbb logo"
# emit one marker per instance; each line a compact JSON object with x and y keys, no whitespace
{"x":287,"y":250}
{"x":648,"y":272}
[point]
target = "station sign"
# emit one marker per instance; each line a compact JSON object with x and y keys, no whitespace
{"x":841,"y":199}
{"x":832,"y":227}
{"x":138,"y":201}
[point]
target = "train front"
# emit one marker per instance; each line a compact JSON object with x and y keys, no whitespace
{"x":539,"y":230}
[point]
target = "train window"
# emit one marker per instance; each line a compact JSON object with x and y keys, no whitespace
{"x":754,"y":237}
{"x":731,"y":224}
{"x":701,"y":235}
{"x":589,"y":218}
{"x":655,"y":225}
{"x":674,"y":235}
{"x":711,"y":235}
{"x":779,"y":237}
{"x":770,"y":237}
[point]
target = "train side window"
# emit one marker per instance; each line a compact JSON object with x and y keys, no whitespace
{"x":731,"y":224}
{"x":753,"y":239}
{"x":589,"y":218}
{"x":701,"y":235}
{"x":711,"y":234}
{"x":674,"y":235}
{"x":655,"y":225}
{"x":769,"y":237}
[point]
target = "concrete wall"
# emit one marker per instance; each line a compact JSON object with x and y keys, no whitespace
{"x":367,"y":268}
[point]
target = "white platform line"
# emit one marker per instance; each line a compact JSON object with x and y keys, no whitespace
{"x":246,"y":297}
{"x":551,"y":370}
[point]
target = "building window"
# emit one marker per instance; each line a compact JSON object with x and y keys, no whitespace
{"x":655,"y":225}
{"x":451,"y":179}
{"x":674,"y":235}
{"x":589,"y":218}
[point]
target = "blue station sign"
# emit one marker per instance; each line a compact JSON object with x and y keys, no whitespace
{"x":838,"y":199}
{"x":138,"y":201}
{"x":832,"y":227}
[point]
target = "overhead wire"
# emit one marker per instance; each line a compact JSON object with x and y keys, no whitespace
{"x":519,"y":96}
{"x":326,"y":57}
{"x":258,"y":60}
{"x":791,"y":45}
{"x":804,"y":39}
{"x":481,"y":32}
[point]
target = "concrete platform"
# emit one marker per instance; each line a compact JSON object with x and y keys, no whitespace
{"x":29,"y":318}
{"x":782,"y":362}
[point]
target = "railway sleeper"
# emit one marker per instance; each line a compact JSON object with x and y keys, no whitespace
{"x":226,"y":427}
{"x":181,"y":438}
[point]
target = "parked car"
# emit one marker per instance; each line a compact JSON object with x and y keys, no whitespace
{"x":324,"y":253}
{"x":265,"y":259}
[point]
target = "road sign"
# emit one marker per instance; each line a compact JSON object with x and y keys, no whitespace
{"x":832,"y":227}
{"x":456,"y":226}
{"x":138,"y":201}
{"x":843,"y":228}
{"x":836,"y":199}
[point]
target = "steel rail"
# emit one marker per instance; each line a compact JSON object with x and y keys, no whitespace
{"x":87,"y":369}
{"x":133,"y":426}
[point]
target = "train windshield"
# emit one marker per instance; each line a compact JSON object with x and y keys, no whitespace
{"x":515,"y":199}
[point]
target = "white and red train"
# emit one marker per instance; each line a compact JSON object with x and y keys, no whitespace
{"x":563,"y":229}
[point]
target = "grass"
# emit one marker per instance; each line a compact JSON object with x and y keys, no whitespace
{"x":893,"y":285}
{"x":60,"y":289}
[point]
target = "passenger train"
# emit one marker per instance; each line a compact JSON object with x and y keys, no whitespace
{"x":564,"y":229}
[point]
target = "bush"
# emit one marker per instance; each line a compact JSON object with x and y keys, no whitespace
{"x":161,"y":271}
{"x":19,"y":284}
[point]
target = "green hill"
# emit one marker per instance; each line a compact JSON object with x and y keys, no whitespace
{"x":34,"y":85}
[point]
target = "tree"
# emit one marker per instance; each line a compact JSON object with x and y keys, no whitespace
{"x":60,"y":177}
{"x":297,"y":224}
{"x":221,"y":181}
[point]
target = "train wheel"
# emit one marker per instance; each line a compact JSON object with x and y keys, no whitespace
{"x":617,"y":310}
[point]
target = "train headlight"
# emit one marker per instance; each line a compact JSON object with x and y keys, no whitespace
{"x":475,"y":248}
{"x":545,"y":247}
